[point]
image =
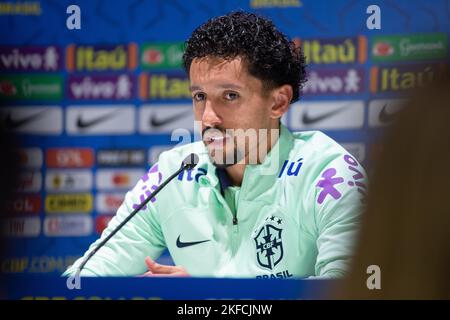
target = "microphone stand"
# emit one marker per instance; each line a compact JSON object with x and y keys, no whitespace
{"x":189,"y":163}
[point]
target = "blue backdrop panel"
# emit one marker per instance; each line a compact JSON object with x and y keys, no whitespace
{"x":94,"y":107}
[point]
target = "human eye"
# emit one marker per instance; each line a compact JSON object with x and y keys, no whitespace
{"x":231,"y":95}
{"x":198,"y":96}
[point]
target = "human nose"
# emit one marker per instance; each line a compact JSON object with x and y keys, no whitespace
{"x":210,"y":118}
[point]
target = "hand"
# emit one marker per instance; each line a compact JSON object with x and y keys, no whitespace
{"x":159,"y":270}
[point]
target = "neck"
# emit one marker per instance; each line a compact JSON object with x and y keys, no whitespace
{"x":236,"y":172}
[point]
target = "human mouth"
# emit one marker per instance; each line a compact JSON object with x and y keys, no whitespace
{"x":215,"y":138}
{"x":217,"y":142}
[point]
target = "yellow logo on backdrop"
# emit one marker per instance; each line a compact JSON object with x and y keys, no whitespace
{"x":334,"y":50}
{"x":394,"y":79}
{"x":90,"y":59}
{"x":329,"y":53}
{"x":101,"y":58}
{"x":69,"y":203}
{"x":27,"y":8}
{"x":400,"y":78}
{"x":162,"y":86}
{"x":275,"y":3}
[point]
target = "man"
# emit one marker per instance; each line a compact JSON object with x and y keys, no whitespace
{"x":262,"y":202}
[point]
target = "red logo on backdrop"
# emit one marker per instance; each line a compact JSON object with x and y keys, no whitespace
{"x":109,"y":202}
{"x":53,"y":226}
{"x":383,"y":49}
{"x":24,"y":204}
{"x":70,"y":157}
{"x":120,"y":179}
{"x":153,"y":56}
{"x":23,"y":158}
{"x":7,"y":88}
{"x":29,"y":181}
{"x":101,"y":222}
{"x":113,"y":202}
{"x":29,"y":157}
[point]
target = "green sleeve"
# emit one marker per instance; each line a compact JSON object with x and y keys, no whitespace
{"x":125,"y":252}
{"x":338,"y":200}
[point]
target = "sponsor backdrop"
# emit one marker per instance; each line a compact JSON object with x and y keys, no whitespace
{"x":96,"y":106}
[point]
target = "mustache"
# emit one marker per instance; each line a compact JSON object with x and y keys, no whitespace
{"x":212,"y":128}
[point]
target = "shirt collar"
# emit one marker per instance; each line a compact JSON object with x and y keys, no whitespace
{"x":224,"y":179}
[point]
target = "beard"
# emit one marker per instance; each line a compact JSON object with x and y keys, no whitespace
{"x":226,"y":158}
{"x":222,"y":148}
{"x":229,"y":147}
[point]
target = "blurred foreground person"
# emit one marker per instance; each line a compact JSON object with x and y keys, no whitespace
{"x":9,"y":172}
{"x":406,"y":228}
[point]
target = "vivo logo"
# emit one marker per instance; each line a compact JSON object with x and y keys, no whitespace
{"x":101,"y":87}
{"x":334,"y":81}
{"x":30,"y":58}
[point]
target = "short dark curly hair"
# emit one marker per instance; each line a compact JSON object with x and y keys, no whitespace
{"x":268,"y":53}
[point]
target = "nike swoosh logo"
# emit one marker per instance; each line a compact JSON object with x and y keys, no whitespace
{"x":83,"y":124}
{"x":307,"y":119}
{"x":386,"y":117}
{"x":11,"y":123}
{"x":181,"y":244}
{"x":158,"y":122}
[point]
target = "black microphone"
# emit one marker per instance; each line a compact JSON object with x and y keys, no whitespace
{"x":188,"y":164}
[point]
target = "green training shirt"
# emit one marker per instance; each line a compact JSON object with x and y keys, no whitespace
{"x":295,"y":215}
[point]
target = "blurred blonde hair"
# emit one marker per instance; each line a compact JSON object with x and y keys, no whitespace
{"x":406,"y":225}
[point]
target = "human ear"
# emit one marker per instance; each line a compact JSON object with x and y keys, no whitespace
{"x":282,"y":97}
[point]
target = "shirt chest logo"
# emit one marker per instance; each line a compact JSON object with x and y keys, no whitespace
{"x":269,"y":243}
{"x":184,"y":244}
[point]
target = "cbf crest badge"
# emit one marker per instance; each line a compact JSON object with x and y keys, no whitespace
{"x":269,"y":244}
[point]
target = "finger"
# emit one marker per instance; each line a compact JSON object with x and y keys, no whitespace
{"x":159,"y":268}
{"x":147,"y":274}
{"x":162,"y":275}
{"x":149,"y":262}
{"x":155,"y":267}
